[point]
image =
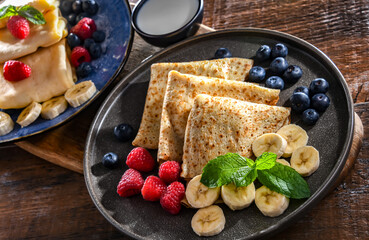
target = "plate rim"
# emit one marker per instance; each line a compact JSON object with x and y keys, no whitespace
{"x":320,"y":193}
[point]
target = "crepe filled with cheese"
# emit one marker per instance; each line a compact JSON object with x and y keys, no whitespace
{"x":51,"y":76}
{"x":218,"y":125}
{"x":179,"y":98}
{"x":227,"y":68}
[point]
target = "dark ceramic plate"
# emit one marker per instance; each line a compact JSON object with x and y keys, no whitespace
{"x":113,"y":17}
{"x":332,"y":136}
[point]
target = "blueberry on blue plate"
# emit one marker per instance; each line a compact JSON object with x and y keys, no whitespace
{"x":302,"y":89}
{"x":88,"y":42}
{"x":292,"y":74}
{"x":310,"y":116}
{"x":98,"y":36}
{"x":222,"y":53}
{"x":84,"y":69}
{"x":320,"y":102}
{"x":110,"y":160}
{"x":263,"y":53}
{"x":95,"y":50}
{"x":256,"y":74}
{"x":66,"y":7}
{"x":71,"y":18}
{"x":77,"y":6}
{"x":80,"y":16}
{"x":300,"y":101}
{"x":73,"y":40}
{"x":90,"y":6}
{"x":123,"y":132}
{"x":279,"y":50}
{"x":278,"y":65}
{"x":318,"y":85}
{"x":275,"y":82}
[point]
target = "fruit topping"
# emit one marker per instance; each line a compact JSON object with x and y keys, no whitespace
{"x":171,"y":198}
{"x":95,"y":50}
{"x":270,"y":203}
{"x":77,"y":6}
{"x":53,"y":107}
{"x":153,"y":188}
{"x":123,"y":132}
{"x":292,"y":74}
{"x":256,"y":74}
{"x":29,"y":114}
{"x":110,"y":160}
{"x":279,"y":50}
{"x":88,"y":42}
{"x":6,"y":123}
{"x":130,"y":183}
{"x":263,"y":53}
{"x":320,"y":102}
{"x":18,"y":27}
{"x":310,"y":116}
{"x":66,"y":7}
{"x":269,"y":142}
{"x":169,"y":171}
{"x":300,"y":101}
{"x":90,"y":7}
{"x":71,"y":18}
{"x":98,"y":36}
{"x":237,"y":198}
{"x":73,"y":40}
{"x":80,"y":93}
{"x":222,"y":53}
{"x":15,"y":71}
{"x":305,"y":160}
{"x":275,"y":82}
{"x":278,"y":65}
{"x":84,"y":69}
{"x":208,"y":221}
{"x":302,"y":89}
{"x":198,"y":195}
{"x":318,"y":85}
{"x":81,"y":16}
{"x":140,"y":159}
{"x":84,"y":28}
{"x":79,"y":55}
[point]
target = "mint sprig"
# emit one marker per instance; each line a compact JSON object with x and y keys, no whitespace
{"x":28,"y":12}
{"x":233,"y":168}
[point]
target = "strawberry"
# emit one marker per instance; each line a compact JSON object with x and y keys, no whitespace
{"x":18,"y":27}
{"x":15,"y":71}
{"x":169,"y":171}
{"x":130,"y":183}
{"x":171,"y":199}
{"x":84,"y":28}
{"x":153,"y":188}
{"x":79,"y":55}
{"x":140,"y":159}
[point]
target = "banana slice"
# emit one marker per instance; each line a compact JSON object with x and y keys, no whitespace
{"x":283,"y":161}
{"x":295,"y":136}
{"x":305,"y":160}
{"x":208,"y":221}
{"x":6,"y":123}
{"x":269,"y":142}
{"x":53,"y":107}
{"x":80,"y":93}
{"x":198,"y":195}
{"x":237,"y":198}
{"x":270,"y":203}
{"x":29,"y":114}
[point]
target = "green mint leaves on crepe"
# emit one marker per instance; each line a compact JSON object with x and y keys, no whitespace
{"x":28,"y":12}
{"x":233,"y":168}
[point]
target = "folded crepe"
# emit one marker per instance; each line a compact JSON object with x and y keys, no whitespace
{"x":44,"y":35}
{"x":227,"y":68}
{"x":179,"y":98}
{"x":51,"y":76}
{"x":218,"y":125}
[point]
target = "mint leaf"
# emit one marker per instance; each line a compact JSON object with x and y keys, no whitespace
{"x":265,"y":161}
{"x":285,"y":180}
{"x":229,"y":168}
{"x":32,"y":14}
{"x":8,"y":11}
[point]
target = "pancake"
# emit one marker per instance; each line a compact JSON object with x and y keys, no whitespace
{"x":51,"y":76}
{"x":226,"y":68}
{"x":218,"y":125}
{"x":179,"y":98}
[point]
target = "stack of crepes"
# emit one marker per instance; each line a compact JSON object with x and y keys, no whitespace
{"x":196,"y":111}
{"x":44,"y":51}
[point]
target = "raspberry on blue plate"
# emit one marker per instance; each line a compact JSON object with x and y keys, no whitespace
{"x":279,"y":50}
{"x":320,"y":102}
{"x":310,"y":116}
{"x":278,"y":65}
{"x":292,"y":74}
{"x":300,"y":101}
{"x":257,"y":74}
{"x":302,"y":89}
{"x":124,"y":132}
{"x":275,"y":82}
{"x":222,"y":53}
{"x":318,"y":85}
{"x":263,"y":53}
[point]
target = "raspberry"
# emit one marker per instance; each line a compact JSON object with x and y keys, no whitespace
{"x":84,"y":28}
{"x":140,"y":159}
{"x":130,"y":183}
{"x":16,"y":71}
{"x":79,"y":55}
{"x":169,"y":171}
{"x":18,"y":27}
{"x":171,"y":199}
{"x":153,"y":188}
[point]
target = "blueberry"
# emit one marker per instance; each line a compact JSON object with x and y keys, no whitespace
{"x":80,"y":16}
{"x":123,"y":132}
{"x":263,"y":53}
{"x":275,"y":82}
{"x":278,"y":65}
{"x":318,"y":85}
{"x":88,"y":42}
{"x":90,"y":7}
{"x":292,"y":74}
{"x":84,"y":69}
{"x":300,"y":101}
{"x":310,"y":116}
{"x":95,"y":50}
{"x":320,"y":102}
{"x":73,"y":40}
{"x":222,"y":53}
{"x":302,"y":89}
{"x":256,"y":74}
{"x":279,"y":50}
{"x":77,"y":6}
{"x":110,"y":160}
{"x":71,"y":18}
{"x":66,"y":7}
{"x":98,"y":36}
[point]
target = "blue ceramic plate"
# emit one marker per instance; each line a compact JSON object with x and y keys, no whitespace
{"x":114,"y":17}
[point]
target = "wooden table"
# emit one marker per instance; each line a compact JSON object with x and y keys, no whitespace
{"x":40,"y":200}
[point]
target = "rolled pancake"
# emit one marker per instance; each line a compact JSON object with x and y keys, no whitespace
{"x":218,"y":125}
{"x":179,"y":98}
{"x":226,"y":68}
{"x":51,"y":76}
{"x":44,"y":35}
